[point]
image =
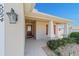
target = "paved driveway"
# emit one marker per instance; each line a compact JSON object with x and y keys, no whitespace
{"x":34,"y":47}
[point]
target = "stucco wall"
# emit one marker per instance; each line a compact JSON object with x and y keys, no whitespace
{"x":41,"y":30}
{"x":2,"y":39}
{"x":75,"y":30}
{"x":14,"y":33}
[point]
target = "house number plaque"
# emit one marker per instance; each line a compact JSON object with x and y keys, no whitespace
{"x":1,"y":12}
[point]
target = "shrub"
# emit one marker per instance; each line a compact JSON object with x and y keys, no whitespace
{"x":72,"y":40}
{"x":54,"y":44}
{"x":77,"y":40}
{"x":65,"y":41}
{"x":74,"y":34}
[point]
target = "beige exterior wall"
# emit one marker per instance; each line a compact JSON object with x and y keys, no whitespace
{"x":75,"y":29}
{"x":41,"y":30}
{"x":14,"y":33}
{"x":2,"y":38}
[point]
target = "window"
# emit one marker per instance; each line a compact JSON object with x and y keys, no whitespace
{"x":29,"y":28}
{"x":46,"y":29}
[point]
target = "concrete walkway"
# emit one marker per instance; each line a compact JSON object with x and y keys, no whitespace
{"x":38,"y":48}
{"x":34,"y":47}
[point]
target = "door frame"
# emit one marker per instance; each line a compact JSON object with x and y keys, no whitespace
{"x":29,"y":35}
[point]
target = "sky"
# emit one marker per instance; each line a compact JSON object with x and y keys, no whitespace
{"x":64,"y":10}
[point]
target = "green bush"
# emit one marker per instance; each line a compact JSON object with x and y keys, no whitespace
{"x":54,"y":44}
{"x":72,"y":40}
{"x":74,"y":34}
{"x":65,"y":41}
{"x":77,"y":40}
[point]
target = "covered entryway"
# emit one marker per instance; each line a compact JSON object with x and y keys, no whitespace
{"x":29,"y":30}
{"x":30,"y":26}
{"x":39,"y":29}
{"x":46,"y":26}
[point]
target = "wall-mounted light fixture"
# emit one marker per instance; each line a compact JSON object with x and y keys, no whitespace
{"x":12,"y":16}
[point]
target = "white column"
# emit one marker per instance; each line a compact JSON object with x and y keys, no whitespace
{"x":51,"y":30}
{"x":56,"y":30}
{"x":66,"y":30}
{"x":70,"y":28}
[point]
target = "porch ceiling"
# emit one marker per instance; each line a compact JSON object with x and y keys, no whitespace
{"x":35,"y":15}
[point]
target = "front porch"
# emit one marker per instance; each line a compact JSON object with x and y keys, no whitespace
{"x":39,"y":29}
{"x":43,"y":26}
{"x":45,"y":29}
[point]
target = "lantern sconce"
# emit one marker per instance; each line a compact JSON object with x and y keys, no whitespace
{"x":12,"y":16}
